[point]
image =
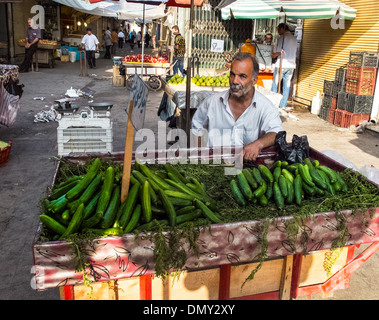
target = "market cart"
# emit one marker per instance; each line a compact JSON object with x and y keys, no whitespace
{"x":44,"y":53}
{"x":151,"y":73}
{"x":296,"y":264}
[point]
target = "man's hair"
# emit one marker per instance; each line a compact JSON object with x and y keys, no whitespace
{"x":283,"y":26}
{"x":175,"y":27}
{"x":89,"y":29}
{"x":240,"y":56}
{"x":268,"y":34}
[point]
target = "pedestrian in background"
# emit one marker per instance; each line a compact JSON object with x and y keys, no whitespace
{"x":91,"y":45}
{"x":33,"y":35}
{"x":107,"y":43}
{"x":114,"y":39}
{"x":121,"y":36}
{"x":139,"y":39}
{"x":179,"y":50}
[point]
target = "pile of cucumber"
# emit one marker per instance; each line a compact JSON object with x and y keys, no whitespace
{"x":92,"y":202}
{"x":285,"y":184}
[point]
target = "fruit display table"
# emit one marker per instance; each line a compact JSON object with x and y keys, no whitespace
{"x":225,"y":250}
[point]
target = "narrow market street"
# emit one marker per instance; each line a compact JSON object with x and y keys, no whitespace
{"x":30,"y":170}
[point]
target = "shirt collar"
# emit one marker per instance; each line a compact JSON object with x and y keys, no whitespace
{"x":225,"y":96}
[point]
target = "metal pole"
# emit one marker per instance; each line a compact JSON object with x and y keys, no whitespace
{"x":142,"y":38}
{"x":188,"y":83}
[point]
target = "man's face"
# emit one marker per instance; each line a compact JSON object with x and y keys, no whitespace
{"x":241,"y":78}
{"x":281,"y":30}
{"x":30,"y":23}
{"x":174,"y":31}
{"x":89,"y":32}
{"x":268,"y":39}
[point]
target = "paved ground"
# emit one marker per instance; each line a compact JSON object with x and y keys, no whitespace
{"x":30,"y":169}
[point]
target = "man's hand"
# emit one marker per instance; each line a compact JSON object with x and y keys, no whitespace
{"x":252,"y":150}
{"x":275,"y":55}
{"x":27,"y":45}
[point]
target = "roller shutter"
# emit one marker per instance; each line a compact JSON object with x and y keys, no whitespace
{"x":325,"y":49}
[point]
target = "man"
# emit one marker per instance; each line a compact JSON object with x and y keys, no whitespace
{"x":107,"y":43}
{"x":121,"y":36}
{"x":114,"y":39}
{"x":268,"y":39}
{"x":179,"y":51}
{"x":91,"y":45}
{"x":240,"y":116}
{"x":288,"y":44}
{"x":33,"y":34}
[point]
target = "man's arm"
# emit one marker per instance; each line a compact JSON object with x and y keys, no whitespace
{"x":252,"y":150}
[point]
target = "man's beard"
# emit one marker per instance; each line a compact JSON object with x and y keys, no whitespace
{"x":242,"y":91}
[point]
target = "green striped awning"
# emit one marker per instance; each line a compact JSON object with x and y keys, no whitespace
{"x":295,"y":9}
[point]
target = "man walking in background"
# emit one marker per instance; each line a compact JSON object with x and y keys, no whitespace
{"x":179,"y":51}
{"x":91,"y":45}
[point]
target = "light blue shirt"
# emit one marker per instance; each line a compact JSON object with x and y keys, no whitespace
{"x":214,"y":117}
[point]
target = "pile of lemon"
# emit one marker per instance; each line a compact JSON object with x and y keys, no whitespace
{"x":205,"y":81}
{"x":208,"y":81}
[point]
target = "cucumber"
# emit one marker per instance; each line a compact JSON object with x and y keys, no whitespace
{"x":261,"y":190}
{"x":168,"y":206}
{"x":250,"y":179}
{"x":290,"y":190}
{"x":208,"y":213}
{"x":52,"y":224}
{"x":131,"y":201}
{"x":330,"y":173}
{"x":278,"y":197}
{"x":184,"y":210}
{"x":316,"y":163}
{"x":111,"y":212}
{"x":237,"y":194}
{"x":65,"y":217}
{"x":134,"y":219}
{"x":171,"y":169}
{"x":188,"y":216}
{"x":244,"y":186}
{"x":87,"y":179}
{"x":263,"y":200}
{"x":174,"y":177}
{"x":325,"y":177}
{"x":318,"y":181}
{"x":146,"y":202}
{"x":269,"y":191}
{"x":67,"y":181}
{"x":150,"y":174}
{"x":341,"y":182}
{"x":106,"y":191}
{"x":257,"y":176}
{"x":180,"y":195}
{"x":150,"y":225}
{"x":276,"y":173}
{"x":266,"y":173}
{"x":141,"y":179}
{"x":57,"y":193}
{"x":59,"y":205}
{"x":288,"y":175}
{"x":298,"y":189}
{"x":308,"y":189}
{"x":91,"y":206}
{"x":75,"y":222}
{"x":183,"y":188}
{"x":305,"y":176}
{"x":276,"y":164}
{"x":105,"y":232}
{"x":282,"y":183}
{"x":180,"y":202}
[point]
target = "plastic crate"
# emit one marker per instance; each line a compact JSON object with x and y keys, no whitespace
{"x":365,"y":87}
{"x":326,"y":101}
{"x":333,"y":104}
{"x":324,"y":113}
{"x":359,"y":103}
{"x":331,"y":115}
{"x":338,"y":87}
{"x":85,"y":133}
{"x":342,"y":100}
{"x":361,"y":74}
{"x":84,"y":146}
{"x":345,"y":119}
{"x":4,"y":154}
{"x":328,"y":87}
{"x":339,"y":114}
{"x":340,"y":76}
{"x":363,"y":59}
{"x":79,"y":122}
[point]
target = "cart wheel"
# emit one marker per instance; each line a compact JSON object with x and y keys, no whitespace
{"x":129,"y":81}
{"x":154,"y":83}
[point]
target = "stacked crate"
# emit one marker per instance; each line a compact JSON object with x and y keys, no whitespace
{"x":356,"y":94}
{"x":327,"y":100}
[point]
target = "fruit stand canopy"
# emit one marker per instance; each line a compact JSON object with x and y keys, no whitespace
{"x":295,"y":9}
{"x":119,"y":9}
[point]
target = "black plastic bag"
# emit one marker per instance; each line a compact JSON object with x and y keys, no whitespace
{"x":297,"y":151}
{"x":14,"y":88}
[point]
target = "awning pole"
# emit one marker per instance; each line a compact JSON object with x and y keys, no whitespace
{"x":142,"y":31}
